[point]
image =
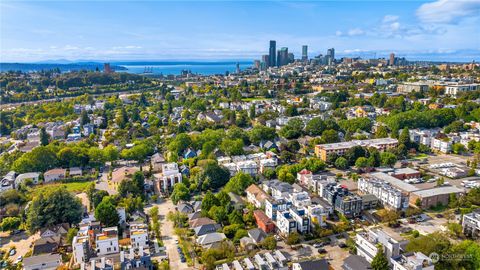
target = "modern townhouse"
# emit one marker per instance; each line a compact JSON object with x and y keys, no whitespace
{"x":388,"y":195}
{"x":471,"y":224}
{"x":368,"y":243}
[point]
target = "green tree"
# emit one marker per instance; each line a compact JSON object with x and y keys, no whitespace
{"x":84,"y":119}
{"x":208,"y":201}
{"x":41,"y":159}
{"x":341,"y":163}
{"x":180,"y":193}
{"x":239,"y":183}
{"x":10,"y":223}
{"x":52,"y":207}
{"x":330,"y":136}
{"x":259,"y":133}
{"x":388,"y":159}
{"x":44,"y":137}
{"x":269,"y":243}
{"x":293,"y":129}
{"x":361,"y":162}
{"x":293,"y":238}
{"x":111,"y":153}
{"x":458,"y":148}
{"x":106,"y":213}
{"x":72,"y":232}
{"x":380,"y":261}
{"x":232,"y":147}
{"x":315,"y":127}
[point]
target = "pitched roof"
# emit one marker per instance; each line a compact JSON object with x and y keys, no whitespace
{"x":355,"y":262}
{"x":205,"y":229}
{"x":257,"y":235}
{"x":321,"y":264}
{"x":30,"y":261}
{"x":200,"y":221}
{"x":210,"y":238}
{"x":259,"y":194}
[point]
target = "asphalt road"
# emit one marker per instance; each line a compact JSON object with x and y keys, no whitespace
{"x":168,"y":236}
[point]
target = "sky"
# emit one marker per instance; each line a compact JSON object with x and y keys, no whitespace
{"x":108,"y":30}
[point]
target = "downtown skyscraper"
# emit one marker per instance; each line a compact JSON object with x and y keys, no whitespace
{"x":304,"y":53}
{"x":272,"y":61}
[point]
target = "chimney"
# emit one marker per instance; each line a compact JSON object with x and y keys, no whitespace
{"x":82,"y":266}
{"x":132,"y":254}
{"x":102,"y":264}
{"x":140,"y":251}
{"x":122,"y":256}
{"x":93,"y":263}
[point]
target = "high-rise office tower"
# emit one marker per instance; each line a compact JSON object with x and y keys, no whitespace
{"x":272,"y":57}
{"x":331,"y":53}
{"x":392,"y":59}
{"x":291,"y":58}
{"x":304,"y":52}
{"x":282,"y":57}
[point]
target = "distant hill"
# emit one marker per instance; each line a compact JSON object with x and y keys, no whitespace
{"x":29,"y":67}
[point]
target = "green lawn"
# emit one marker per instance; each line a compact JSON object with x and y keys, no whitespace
{"x":420,"y":156}
{"x":75,"y":187}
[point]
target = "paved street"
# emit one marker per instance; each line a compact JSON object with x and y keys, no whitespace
{"x":102,"y":183}
{"x":168,"y":235}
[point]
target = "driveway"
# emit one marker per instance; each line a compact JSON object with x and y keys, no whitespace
{"x":168,"y":235}
{"x":21,"y":242}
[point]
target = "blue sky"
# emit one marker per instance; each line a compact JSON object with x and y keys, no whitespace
{"x":158,"y":30}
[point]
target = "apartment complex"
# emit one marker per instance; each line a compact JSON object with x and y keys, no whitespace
{"x":389,"y":196}
{"x":323,"y":151}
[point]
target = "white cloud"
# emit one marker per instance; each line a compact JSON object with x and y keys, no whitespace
{"x":390,"y":18}
{"x":355,"y":32}
{"x":338,"y":33}
{"x":448,"y":11}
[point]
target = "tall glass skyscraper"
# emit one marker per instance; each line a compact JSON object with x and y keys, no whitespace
{"x":272,"y":54}
{"x":304,"y":52}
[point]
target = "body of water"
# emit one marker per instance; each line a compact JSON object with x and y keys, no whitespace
{"x":175,"y":68}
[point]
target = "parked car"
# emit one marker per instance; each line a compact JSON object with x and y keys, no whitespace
{"x":342,"y":245}
{"x":322,"y":251}
{"x":19,"y":259}
{"x":12,"y":252}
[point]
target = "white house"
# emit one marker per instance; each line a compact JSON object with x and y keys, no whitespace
{"x":367,"y":243}
{"x":107,"y":241}
{"x":54,"y":175}
{"x":25,"y":176}
{"x":139,"y":235}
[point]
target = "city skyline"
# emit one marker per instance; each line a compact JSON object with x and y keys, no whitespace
{"x":441,"y":30}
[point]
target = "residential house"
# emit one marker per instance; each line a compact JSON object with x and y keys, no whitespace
{"x":169,"y":176}
{"x":320,"y":264}
{"x":211,"y":239}
{"x":263,"y":221}
{"x":106,"y":242}
{"x":412,"y":261}
{"x":42,"y":262}
{"x":257,"y":235}
{"x":120,"y":174}
{"x":368,"y":242}
{"x":206,"y":229}
{"x":54,"y":175}
{"x":33,"y":176}
{"x":256,"y":196}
